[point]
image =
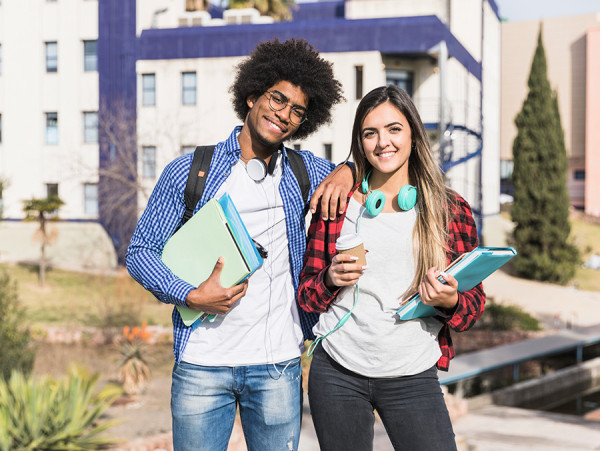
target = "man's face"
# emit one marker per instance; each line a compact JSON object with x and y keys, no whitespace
{"x":271,"y":127}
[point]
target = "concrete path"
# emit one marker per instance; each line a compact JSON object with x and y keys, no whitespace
{"x":496,"y":428}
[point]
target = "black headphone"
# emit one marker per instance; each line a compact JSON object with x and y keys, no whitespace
{"x":257,"y":168}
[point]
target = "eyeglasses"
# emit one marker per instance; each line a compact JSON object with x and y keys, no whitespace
{"x":277,"y":102}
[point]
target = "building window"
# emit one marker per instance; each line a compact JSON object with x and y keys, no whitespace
{"x":51,"y":128}
{"x":579,"y":174}
{"x":187,"y":149}
{"x":90,"y":199}
{"x":90,"y":56}
{"x":195,"y":5}
{"x":148,"y":89}
{"x":51,"y":56}
{"x":51,"y":189}
{"x":188,"y":88}
{"x":358,"y":80}
{"x":401,"y":78}
{"x":90,"y":127}
{"x":149,"y":162}
{"x":327,"y":150}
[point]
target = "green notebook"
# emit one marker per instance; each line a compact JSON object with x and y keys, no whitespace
{"x":192,"y":252}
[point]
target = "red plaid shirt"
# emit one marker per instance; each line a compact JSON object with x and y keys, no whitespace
{"x":314,"y":296}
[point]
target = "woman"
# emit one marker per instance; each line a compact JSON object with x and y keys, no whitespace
{"x":375,"y":360}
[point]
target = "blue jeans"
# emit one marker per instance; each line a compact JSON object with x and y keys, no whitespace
{"x":204,"y":401}
{"x":412,"y":408}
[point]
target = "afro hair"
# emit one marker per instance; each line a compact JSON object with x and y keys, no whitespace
{"x":297,"y":62}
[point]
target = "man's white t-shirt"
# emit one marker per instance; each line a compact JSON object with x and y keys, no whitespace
{"x":263,"y":326}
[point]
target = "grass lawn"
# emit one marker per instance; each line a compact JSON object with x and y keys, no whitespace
{"x":80,"y":299}
{"x":586,"y":237}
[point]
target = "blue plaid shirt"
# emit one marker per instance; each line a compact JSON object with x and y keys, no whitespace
{"x":165,"y":210}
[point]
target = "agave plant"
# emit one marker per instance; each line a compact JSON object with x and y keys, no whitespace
{"x":134,"y":372}
{"x":54,"y":414}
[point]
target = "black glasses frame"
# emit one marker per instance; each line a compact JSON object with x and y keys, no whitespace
{"x":280,"y":104}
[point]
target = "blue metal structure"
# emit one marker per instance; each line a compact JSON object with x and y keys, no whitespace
{"x":320,"y":23}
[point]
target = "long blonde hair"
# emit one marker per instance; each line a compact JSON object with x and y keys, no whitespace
{"x":433,"y":197}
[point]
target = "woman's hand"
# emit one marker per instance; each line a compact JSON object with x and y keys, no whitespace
{"x":438,"y":294}
{"x":343,"y":271}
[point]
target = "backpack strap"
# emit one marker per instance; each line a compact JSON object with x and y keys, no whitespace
{"x":301,"y":173}
{"x":196,"y":179}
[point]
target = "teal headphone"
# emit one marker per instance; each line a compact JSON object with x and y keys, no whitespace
{"x":407,"y":197}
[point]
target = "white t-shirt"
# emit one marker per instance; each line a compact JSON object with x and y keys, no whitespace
{"x":263,"y":326}
{"x":373,"y":341}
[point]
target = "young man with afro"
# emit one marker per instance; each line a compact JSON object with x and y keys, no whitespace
{"x":249,"y":357}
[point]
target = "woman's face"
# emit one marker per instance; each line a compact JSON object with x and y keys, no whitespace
{"x":386,"y":139}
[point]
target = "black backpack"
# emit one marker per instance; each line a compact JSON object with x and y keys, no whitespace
{"x":199,"y":171}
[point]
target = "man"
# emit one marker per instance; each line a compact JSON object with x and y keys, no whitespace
{"x":250,"y":355}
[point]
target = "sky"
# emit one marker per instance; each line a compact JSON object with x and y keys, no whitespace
{"x":516,"y":10}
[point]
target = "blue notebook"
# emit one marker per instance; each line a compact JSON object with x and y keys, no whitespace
{"x":216,"y":230}
{"x":469,"y":270}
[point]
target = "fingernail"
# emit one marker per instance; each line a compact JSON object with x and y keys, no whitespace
{"x":341,"y":212}
{"x":312,"y":211}
{"x":364,"y":267}
{"x":353,"y":257}
{"x":331,"y":218}
{"x":443,"y":274}
{"x":324,"y":218}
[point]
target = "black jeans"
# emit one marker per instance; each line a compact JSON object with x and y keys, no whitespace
{"x":412,"y":408}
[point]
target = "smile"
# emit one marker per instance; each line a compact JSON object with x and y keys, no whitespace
{"x":274,"y":126}
{"x":386,"y":154}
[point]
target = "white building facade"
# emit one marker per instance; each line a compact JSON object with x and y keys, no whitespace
{"x":165,"y":72}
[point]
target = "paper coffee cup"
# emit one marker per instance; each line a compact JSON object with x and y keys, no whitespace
{"x":352,"y":244}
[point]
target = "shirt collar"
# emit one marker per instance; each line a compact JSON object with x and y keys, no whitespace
{"x":232,"y":146}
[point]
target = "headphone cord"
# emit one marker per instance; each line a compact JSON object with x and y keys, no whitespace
{"x":344,"y":318}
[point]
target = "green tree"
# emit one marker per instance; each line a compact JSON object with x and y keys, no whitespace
{"x":15,"y":352}
{"x":42,"y":210}
{"x":541,"y":201}
{"x":278,"y":9}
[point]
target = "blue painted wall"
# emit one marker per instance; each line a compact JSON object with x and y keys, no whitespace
{"x":117,"y":54}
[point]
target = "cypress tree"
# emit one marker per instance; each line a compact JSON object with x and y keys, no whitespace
{"x":541,"y":202}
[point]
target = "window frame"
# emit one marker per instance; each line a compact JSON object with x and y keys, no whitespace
{"x":51,"y":69}
{"x":191,"y":91}
{"x":90,"y":60}
{"x":90,"y":128}
{"x":148,"y":165}
{"x":88,"y":200}
{"x":51,"y":130}
{"x":148,"y":90}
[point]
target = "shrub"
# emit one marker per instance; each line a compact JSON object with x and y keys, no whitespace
{"x":506,"y":317}
{"x":54,"y":415}
{"x":134,"y":372}
{"x":16,"y":352}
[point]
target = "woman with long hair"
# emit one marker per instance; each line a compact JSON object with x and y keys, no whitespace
{"x":366,"y":358}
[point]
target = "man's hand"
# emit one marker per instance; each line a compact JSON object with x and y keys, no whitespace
{"x":332,"y":191}
{"x":211,"y":297}
{"x":438,"y":294}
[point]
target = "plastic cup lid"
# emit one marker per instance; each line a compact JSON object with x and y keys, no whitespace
{"x":348,"y":241}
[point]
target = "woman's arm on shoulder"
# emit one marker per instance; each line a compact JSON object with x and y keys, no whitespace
{"x":462,"y":237}
{"x":334,"y":183}
{"x":313,"y":294}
